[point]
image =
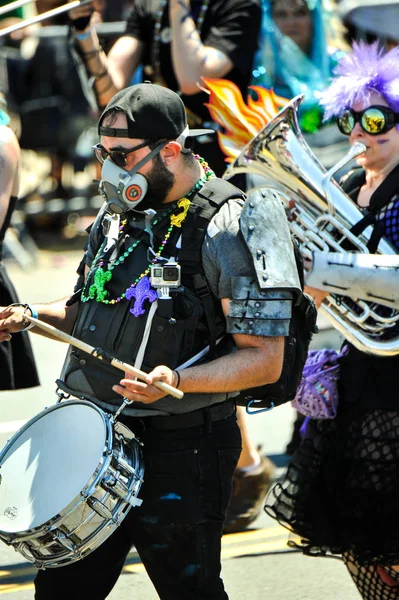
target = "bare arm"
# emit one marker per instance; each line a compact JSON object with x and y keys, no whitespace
{"x":191,"y":59}
{"x":258,"y":361}
{"x":9,"y":169}
{"x":113,"y":72}
{"x":57,"y":314}
{"x":123,"y":59}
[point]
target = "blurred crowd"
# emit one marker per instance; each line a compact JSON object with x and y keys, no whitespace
{"x":53,"y":105}
{"x":50,"y":111}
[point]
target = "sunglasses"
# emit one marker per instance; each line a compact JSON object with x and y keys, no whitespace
{"x":118,"y":157}
{"x":374,"y":120}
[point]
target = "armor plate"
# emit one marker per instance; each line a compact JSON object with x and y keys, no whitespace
{"x":265,"y":230}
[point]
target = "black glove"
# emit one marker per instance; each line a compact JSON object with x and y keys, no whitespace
{"x":81,"y":23}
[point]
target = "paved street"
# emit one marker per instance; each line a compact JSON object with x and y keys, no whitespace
{"x":256,"y":564}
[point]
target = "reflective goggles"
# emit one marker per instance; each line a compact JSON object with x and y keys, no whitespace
{"x":118,"y":157}
{"x":374,"y":120}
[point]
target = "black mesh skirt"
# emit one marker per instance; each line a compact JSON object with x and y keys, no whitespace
{"x":341,"y":492}
{"x":17,"y":364}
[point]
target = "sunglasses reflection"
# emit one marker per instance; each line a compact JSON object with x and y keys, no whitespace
{"x":374,"y":120}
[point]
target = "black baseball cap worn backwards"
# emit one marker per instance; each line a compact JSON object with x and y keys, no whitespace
{"x":152,"y":112}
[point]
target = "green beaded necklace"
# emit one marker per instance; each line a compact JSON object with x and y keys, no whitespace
{"x":102,"y":276}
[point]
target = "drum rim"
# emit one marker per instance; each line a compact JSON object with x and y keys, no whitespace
{"x":44,"y":412}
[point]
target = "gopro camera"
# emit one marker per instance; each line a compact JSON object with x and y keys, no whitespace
{"x":166,"y":275}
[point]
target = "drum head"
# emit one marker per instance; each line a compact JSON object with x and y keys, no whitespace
{"x":48,"y":463}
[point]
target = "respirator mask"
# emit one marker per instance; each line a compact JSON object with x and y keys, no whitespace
{"x":124,"y":190}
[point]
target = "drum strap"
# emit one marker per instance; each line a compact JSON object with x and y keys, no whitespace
{"x":143,"y":345}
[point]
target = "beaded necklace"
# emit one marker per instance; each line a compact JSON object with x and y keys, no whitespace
{"x":156,"y":58}
{"x":140,"y":288}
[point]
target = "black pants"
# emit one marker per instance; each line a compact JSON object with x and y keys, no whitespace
{"x":176,"y":531}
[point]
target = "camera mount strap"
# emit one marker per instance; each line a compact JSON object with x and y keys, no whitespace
{"x":143,"y":344}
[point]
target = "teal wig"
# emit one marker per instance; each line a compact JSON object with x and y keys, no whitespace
{"x":281,"y":65}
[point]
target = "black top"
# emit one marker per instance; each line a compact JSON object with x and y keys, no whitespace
{"x":369,"y":381}
{"x":17,"y":365}
{"x":6,"y":224}
{"x":231,"y":26}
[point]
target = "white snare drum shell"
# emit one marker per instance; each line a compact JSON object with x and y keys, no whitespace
{"x":48,"y":463}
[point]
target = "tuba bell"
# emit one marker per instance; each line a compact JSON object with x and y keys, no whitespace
{"x":320,"y":216}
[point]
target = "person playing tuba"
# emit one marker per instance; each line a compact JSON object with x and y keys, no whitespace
{"x":342,"y":488}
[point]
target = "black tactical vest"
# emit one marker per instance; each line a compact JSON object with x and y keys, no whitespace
{"x":195,"y":321}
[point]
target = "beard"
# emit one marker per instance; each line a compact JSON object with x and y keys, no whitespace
{"x":160,"y":182}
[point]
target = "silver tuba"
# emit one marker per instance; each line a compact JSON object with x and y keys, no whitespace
{"x":320,"y":216}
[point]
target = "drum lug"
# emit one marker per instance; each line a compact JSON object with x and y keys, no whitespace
{"x":65,"y":541}
{"x":115,"y":487}
{"x":124,"y":467}
{"x":119,"y":489}
{"x":99,"y":508}
{"x":24,"y":549}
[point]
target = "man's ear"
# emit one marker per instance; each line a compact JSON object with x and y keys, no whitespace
{"x":171,"y":152}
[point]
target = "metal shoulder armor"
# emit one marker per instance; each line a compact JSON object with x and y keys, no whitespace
{"x":265,"y":230}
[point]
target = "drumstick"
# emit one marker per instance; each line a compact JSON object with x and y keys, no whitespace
{"x":101,"y":355}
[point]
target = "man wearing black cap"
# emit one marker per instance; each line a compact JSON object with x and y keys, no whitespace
{"x":167,"y":284}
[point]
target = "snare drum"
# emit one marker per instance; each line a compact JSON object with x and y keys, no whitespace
{"x":68,"y":478}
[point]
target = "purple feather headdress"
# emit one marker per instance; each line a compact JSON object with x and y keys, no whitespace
{"x":367,"y":69}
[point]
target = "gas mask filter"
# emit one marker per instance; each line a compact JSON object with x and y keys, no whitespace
{"x":122,"y":190}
